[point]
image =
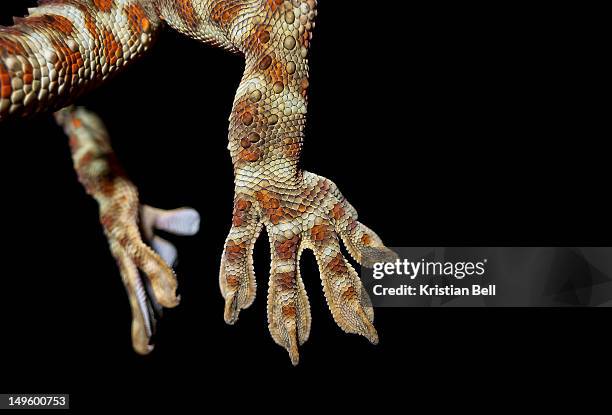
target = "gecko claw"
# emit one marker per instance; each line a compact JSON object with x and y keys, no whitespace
{"x":231,"y":311}
{"x":294,"y":354}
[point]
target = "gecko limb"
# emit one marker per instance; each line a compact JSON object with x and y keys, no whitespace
{"x":298,"y":209}
{"x":146,"y":273}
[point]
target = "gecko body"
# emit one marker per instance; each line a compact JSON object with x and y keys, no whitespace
{"x":66,"y":47}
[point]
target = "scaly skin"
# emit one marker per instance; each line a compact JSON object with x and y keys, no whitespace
{"x":299,"y":210}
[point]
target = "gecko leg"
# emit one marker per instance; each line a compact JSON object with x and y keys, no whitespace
{"x":146,"y":273}
{"x":298,"y":209}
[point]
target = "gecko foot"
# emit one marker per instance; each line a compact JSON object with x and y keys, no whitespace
{"x":315,"y":216}
{"x":146,"y":273}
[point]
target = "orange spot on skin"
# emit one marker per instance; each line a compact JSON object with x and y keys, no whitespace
{"x":234,"y":251}
{"x":349,"y":295}
{"x":6,"y":91}
{"x":137,"y":18}
{"x":112,"y":50}
{"x":287,"y":249}
{"x":285,"y":281}
{"x":71,"y":61}
{"x":263,"y":197}
{"x":104,"y":5}
{"x":106,"y":187}
{"x":276,"y":215}
{"x":288,"y":311}
{"x":243,"y":106}
{"x":85,"y":160}
{"x":232,"y":281}
{"x":28,"y":74}
{"x":365,"y":239}
{"x":250,"y":155}
{"x":337,"y":211}
{"x":337,"y":265}
{"x":319,"y":232}
{"x":243,"y":204}
{"x":76,"y":123}
{"x":237,"y":220}
{"x":272,"y":206}
{"x":241,"y":209}
{"x":5,"y":81}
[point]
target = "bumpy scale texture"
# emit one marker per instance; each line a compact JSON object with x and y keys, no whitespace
{"x":68,"y":46}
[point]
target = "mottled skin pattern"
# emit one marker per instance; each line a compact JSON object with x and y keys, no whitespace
{"x":68,"y":46}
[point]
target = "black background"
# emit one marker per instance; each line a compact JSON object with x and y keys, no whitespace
{"x":443,"y":125}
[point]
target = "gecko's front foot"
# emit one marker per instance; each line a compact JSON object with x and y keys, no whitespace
{"x":313,"y":215}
